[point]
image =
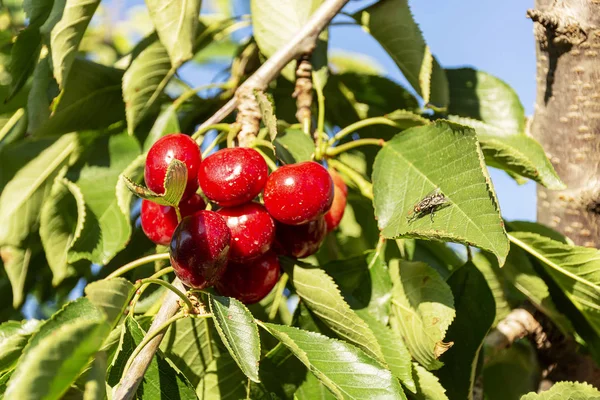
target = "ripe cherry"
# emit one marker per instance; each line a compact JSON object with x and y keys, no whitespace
{"x":250,"y":282}
{"x":338,"y":181}
{"x":159,"y":222}
{"x":298,"y":193}
{"x":252,"y":230}
{"x":300,"y":240}
{"x":231,"y":177}
{"x":199,"y":249}
{"x":175,"y":145}
{"x":336,"y":212}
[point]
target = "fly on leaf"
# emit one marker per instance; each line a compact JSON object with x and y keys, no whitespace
{"x":430,"y":204}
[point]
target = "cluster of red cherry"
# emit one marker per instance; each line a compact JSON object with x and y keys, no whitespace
{"x":235,"y":248}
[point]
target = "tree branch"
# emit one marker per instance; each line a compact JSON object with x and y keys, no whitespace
{"x":303,"y":42}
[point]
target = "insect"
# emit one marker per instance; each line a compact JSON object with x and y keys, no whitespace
{"x":430,"y":204}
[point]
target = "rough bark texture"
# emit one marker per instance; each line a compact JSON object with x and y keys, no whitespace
{"x":567,"y":114}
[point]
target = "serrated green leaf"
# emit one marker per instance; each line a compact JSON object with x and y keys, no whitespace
{"x":133,"y":172}
{"x":145,"y":80}
{"x":61,"y":222}
{"x":443,"y":156}
{"x":566,"y":391}
{"x":513,"y":152}
{"x":95,"y":385}
{"x":494,"y":276}
{"x":175,"y":182}
{"x":479,"y":95}
{"x":176,"y":22}
{"x":223,"y":380}
{"x":267,"y":109}
{"x":391,"y":23}
{"x":22,"y":198}
{"x":91,"y":100}
{"x":111,"y":296}
{"x":275,"y":26}
{"x":161,"y":379}
{"x":475,"y":313}
{"x":48,"y":370}
{"x":350,"y":374}
{"x":428,"y":385}
{"x":534,"y":227}
{"x":107,"y":227}
{"x":407,"y":119}
{"x":575,"y":269}
{"x":239,"y":333}
{"x":321,"y":295}
{"x":67,"y":34}
{"x":24,"y":55}
{"x":38,"y":102}
{"x":422,"y":310}
{"x":16,"y":264}
{"x":13,"y":338}
{"x":293,"y":146}
{"x":312,"y":389}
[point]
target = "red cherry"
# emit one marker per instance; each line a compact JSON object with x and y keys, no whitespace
{"x":300,"y":240}
{"x":199,"y":249}
{"x":338,"y":181}
{"x":175,"y":145}
{"x":250,"y":282}
{"x":159,"y":222}
{"x":231,"y":177}
{"x":298,"y":193}
{"x":336,"y":212}
{"x":252,"y":230}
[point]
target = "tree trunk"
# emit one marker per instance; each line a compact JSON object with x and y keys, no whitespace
{"x":567,"y":114}
{"x":567,"y":124}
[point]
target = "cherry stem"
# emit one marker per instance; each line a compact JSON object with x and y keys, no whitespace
{"x":177,"y":213}
{"x":359,"y":125}
{"x":270,"y":163}
{"x":306,"y":125}
{"x":143,"y":287}
{"x":278,"y":296}
{"x":202,"y":130}
{"x":192,"y":92}
{"x":262,"y":143}
{"x":220,"y":137}
{"x":172,"y":288}
{"x":136,"y":263}
{"x":365,"y":187}
{"x":320,"y":120}
{"x":235,"y":129}
{"x":334,"y":151}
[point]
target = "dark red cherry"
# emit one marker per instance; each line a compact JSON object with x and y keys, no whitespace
{"x":231,"y":177}
{"x":300,"y":240}
{"x":175,"y":145}
{"x":252,"y":230}
{"x":199,"y":249}
{"x":251,"y":281}
{"x":298,"y":193}
{"x":338,"y":181}
{"x":159,"y":222}
{"x":336,"y":212}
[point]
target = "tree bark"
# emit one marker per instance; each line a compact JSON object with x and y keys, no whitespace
{"x":567,"y":114}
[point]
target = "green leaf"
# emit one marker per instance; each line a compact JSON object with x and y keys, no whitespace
{"x":391,"y":23}
{"x":518,"y":365}
{"x":475,"y":312}
{"x":67,"y":34}
{"x":422,"y":310}
{"x":312,"y":389}
{"x":145,"y":80}
{"x":175,"y":182}
{"x":267,"y":109}
{"x":293,"y":146}
{"x":479,"y":95}
{"x":176,"y":22}
{"x":566,"y":391}
{"x":16,"y":264}
{"x":38,"y":101}
{"x":223,"y":380}
{"x":107,"y":227}
{"x":514,"y":153}
{"x":48,"y":371}
{"x":61,"y":223}
{"x":91,"y":100}
{"x":275,"y":26}
{"x":350,"y":374}
{"x":95,"y":385}
{"x":111,"y":296}
{"x":575,"y":269}
{"x":13,"y":338}
{"x":22,"y":198}
{"x":494,"y":276}
{"x":428,"y":385}
{"x":167,"y":122}
{"x":443,"y":156}
{"x":161,"y":379}
{"x":321,"y":295}
{"x":365,"y":283}
{"x":407,"y":119}
{"x":24,"y":55}
{"x":239,"y":333}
